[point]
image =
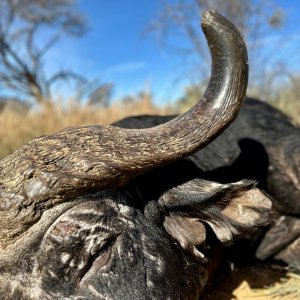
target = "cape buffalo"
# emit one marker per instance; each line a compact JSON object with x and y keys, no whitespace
{"x":80,"y":220}
{"x":263,"y":145}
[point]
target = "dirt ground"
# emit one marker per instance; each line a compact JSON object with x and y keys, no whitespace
{"x":259,"y":282}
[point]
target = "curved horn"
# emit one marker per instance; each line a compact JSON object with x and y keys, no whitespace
{"x":51,"y":169}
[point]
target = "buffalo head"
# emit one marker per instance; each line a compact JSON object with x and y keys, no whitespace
{"x":72,"y":226}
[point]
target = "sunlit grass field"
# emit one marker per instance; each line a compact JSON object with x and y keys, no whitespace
{"x":17,"y":127}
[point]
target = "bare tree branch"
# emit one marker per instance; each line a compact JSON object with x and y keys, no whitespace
{"x":259,"y":21}
{"x":20,"y":23}
{"x":64,"y":75}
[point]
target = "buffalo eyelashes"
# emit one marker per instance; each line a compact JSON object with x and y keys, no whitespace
{"x":100,"y":256}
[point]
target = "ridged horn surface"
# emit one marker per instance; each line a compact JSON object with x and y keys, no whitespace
{"x":56,"y":168}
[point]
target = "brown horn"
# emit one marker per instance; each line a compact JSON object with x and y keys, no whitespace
{"x":58,"y":167}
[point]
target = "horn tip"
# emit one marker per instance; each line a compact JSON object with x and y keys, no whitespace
{"x":208,"y":16}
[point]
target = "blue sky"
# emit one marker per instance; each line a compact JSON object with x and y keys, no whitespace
{"x":115,"y":50}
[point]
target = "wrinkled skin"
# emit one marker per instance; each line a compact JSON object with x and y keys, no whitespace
{"x":104,"y":249}
{"x":107,"y":248}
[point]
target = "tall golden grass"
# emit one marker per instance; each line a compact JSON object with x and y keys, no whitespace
{"x":17,"y":127}
{"x":287,"y":98}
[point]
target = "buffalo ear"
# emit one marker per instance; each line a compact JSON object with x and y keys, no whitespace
{"x":188,"y":232}
{"x":231,"y":210}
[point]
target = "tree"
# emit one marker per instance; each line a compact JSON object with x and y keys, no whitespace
{"x":21,"y":56}
{"x":262,"y":23}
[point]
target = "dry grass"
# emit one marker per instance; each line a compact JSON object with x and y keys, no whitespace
{"x":258,"y":282}
{"x":287,"y":98}
{"x":18,"y":127}
{"x":290,"y":106}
